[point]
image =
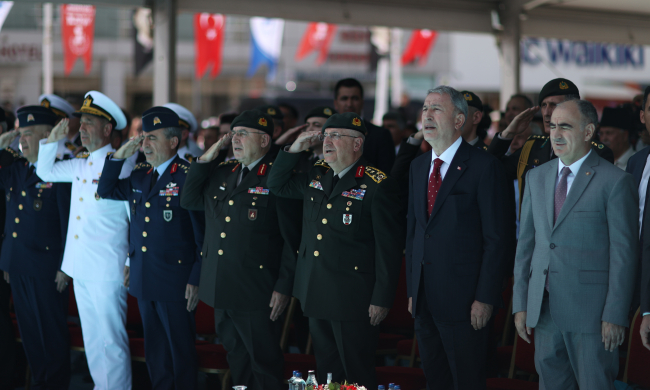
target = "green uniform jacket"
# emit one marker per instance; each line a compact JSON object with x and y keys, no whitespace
{"x":352,"y":240}
{"x":244,"y":254}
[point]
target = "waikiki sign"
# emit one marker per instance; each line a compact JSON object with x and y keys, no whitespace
{"x":535,"y":51}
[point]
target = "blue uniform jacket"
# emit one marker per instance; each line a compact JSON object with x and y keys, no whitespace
{"x":165,"y":239}
{"x":37,"y":220}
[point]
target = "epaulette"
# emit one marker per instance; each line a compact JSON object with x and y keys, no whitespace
{"x":83,"y":155}
{"x":485,"y":148}
{"x":597,"y":145}
{"x":142,"y":165}
{"x":184,"y":167}
{"x":321,"y":163}
{"x":535,"y":136}
{"x":375,"y":174}
{"x":233,"y":161}
{"x":13,"y":152}
{"x":189,"y":157}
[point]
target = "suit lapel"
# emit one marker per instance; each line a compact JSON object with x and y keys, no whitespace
{"x":580,"y":182}
{"x":348,"y":181}
{"x":254,"y":176}
{"x":456,"y":169}
{"x":549,"y":191}
{"x":638,"y":173}
{"x":420,"y":185}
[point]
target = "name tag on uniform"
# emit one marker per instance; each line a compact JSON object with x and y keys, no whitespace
{"x":316,"y":184}
{"x":354,"y":194}
{"x":258,"y":191}
{"x":44,"y":185}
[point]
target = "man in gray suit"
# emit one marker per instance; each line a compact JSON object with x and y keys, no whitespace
{"x":576,"y":257}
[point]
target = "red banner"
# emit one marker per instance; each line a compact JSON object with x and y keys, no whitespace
{"x":318,"y":36}
{"x":208,"y":42}
{"x":418,"y":47}
{"x":77,"y":32}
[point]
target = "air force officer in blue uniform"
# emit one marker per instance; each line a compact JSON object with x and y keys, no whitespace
{"x":32,"y":250}
{"x":165,"y":246}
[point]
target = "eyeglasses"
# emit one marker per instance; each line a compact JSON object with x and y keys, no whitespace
{"x":334,"y":136}
{"x":243,"y":133}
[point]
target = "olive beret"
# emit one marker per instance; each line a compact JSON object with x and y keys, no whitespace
{"x":321,"y":112}
{"x":348,"y":120}
{"x":557,"y":87}
{"x":472,"y":100}
{"x":254,"y":119}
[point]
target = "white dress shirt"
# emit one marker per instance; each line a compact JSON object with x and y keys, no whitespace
{"x":621,"y":162}
{"x":447,"y":156}
{"x":97,"y":243}
{"x":575,"y":167}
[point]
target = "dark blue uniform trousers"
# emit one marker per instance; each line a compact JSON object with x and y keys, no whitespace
{"x":41,"y":312}
{"x":169,"y":334}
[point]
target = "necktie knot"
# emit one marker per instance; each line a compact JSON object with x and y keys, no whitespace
{"x":437,"y":163}
{"x":566,"y":171}
{"x":244,"y":172}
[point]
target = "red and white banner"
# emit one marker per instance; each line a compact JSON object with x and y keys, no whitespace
{"x":77,"y":32}
{"x":208,"y":42}
{"x":318,"y":36}
{"x":419,"y":46}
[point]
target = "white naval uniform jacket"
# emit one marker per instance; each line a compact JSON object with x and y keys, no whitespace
{"x":98,"y":230}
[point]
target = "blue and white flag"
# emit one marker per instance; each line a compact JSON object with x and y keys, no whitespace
{"x":266,"y":44}
{"x":5,"y":7}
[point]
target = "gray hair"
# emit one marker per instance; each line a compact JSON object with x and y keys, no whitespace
{"x":171,"y":132}
{"x":569,"y":97}
{"x":588,"y":114}
{"x":457,"y":99}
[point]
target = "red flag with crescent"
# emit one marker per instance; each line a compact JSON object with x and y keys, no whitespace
{"x":318,"y":37}
{"x":208,"y":42}
{"x":77,"y":35}
{"x":419,"y":46}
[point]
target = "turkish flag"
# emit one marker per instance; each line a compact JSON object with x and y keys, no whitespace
{"x":208,"y":42}
{"x":418,"y":47}
{"x":77,"y":32}
{"x":318,"y":36}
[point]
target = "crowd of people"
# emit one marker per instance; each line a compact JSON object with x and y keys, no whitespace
{"x":326,"y":211}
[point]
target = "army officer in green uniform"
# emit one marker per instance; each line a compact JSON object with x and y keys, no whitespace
{"x":247,"y":268}
{"x":352,"y":239}
{"x":537,"y":149}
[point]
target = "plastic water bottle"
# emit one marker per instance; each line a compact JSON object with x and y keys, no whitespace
{"x":397,"y":387}
{"x":381,"y":387}
{"x":311,"y":379}
{"x":391,"y":386}
{"x":292,"y":380}
{"x":329,"y":378}
{"x":299,"y":383}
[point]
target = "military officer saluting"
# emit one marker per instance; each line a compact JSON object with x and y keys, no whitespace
{"x":32,"y":249}
{"x":165,"y":246}
{"x":62,"y":109}
{"x":537,"y":150}
{"x":247,"y":270}
{"x":97,"y":241}
{"x":352,"y":242}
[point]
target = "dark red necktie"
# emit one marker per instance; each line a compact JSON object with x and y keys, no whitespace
{"x":434,"y":185}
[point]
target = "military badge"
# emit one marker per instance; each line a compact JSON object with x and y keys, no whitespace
{"x":564,"y":85}
{"x":262,"y":122}
{"x":174,"y":168}
{"x":171,"y":185}
{"x":363,"y":186}
{"x":316,"y":184}
{"x":258,"y":191}
{"x":262,"y":170}
{"x":38,"y":204}
{"x":354,"y":194}
{"x":30,"y":118}
{"x":169,"y":191}
{"x":156,"y":121}
{"x":44,"y":185}
{"x":327,"y":111}
{"x":356,"y":122}
{"x":270,"y":111}
{"x":252,"y":214}
{"x":95,"y":181}
{"x":347,"y":219}
{"x":360,"y":171}
{"x":468,"y":97}
{"x":167,"y":215}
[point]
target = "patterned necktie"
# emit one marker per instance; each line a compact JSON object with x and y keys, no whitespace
{"x":434,"y":185}
{"x":560,"y":192}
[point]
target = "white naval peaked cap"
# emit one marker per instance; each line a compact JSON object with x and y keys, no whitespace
{"x":98,"y":104}
{"x":57,"y":104}
{"x":185,"y":115}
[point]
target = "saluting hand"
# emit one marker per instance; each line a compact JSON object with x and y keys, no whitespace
{"x":61,"y":281}
{"x":288,"y":135}
{"x":304,"y":141}
{"x":192,"y":296}
{"x":481,"y":313}
{"x":6,"y":138}
{"x":278,"y":302}
{"x":613,"y":335}
{"x":129,"y":148}
{"x":213,"y":152}
{"x":59,"y":132}
{"x":520,"y":323}
{"x":520,"y":123}
{"x":377,"y":314}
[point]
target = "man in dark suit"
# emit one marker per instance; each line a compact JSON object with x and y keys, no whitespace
{"x":165,"y":245}
{"x":349,"y":257}
{"x":247,"y":270}
{"x":32,"y":250}
{"x":460,"y":231}
{"x":378,"y":147}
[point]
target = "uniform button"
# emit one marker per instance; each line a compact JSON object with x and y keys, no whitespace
{"x":356,"y":268}
{"x":20,"y":207}
{"x":179,"y":262}
{"x":227,"y":219}
{"x":312,"y":198}
{"x":552,"y":246}
{"x":223,"y":235}
{"x":215,"y":197}
{"x":14,"y":234}
{"x":261,"y":267}
{"x":230,"y":202}
{"x":133,"y":200}
{"x":75,"y":236}
{"x":144,"y":234}
{"x":220,"y":252}
{"x":324,"y":221}
{"x":147,"y":205}
{"x":47,"y":248}
{"x":81,"y":199}
{"x":144,"y":248}
{"x":147,"y":219}
{"x":329,"y":205}
{"x":319,"y":237}
{"x":90,"y":163}
{"x":78,"y":217}
{"x":316,"y":253}
{"x":169,"y":199}
{"x":17,"y":220}
{"x":23,"y":193}
{"x":545,"y":271}
{"x":84,"y":180}
{"x":347,"y":209}
{"x":167,"y":205}
{"x":253,"y":204}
